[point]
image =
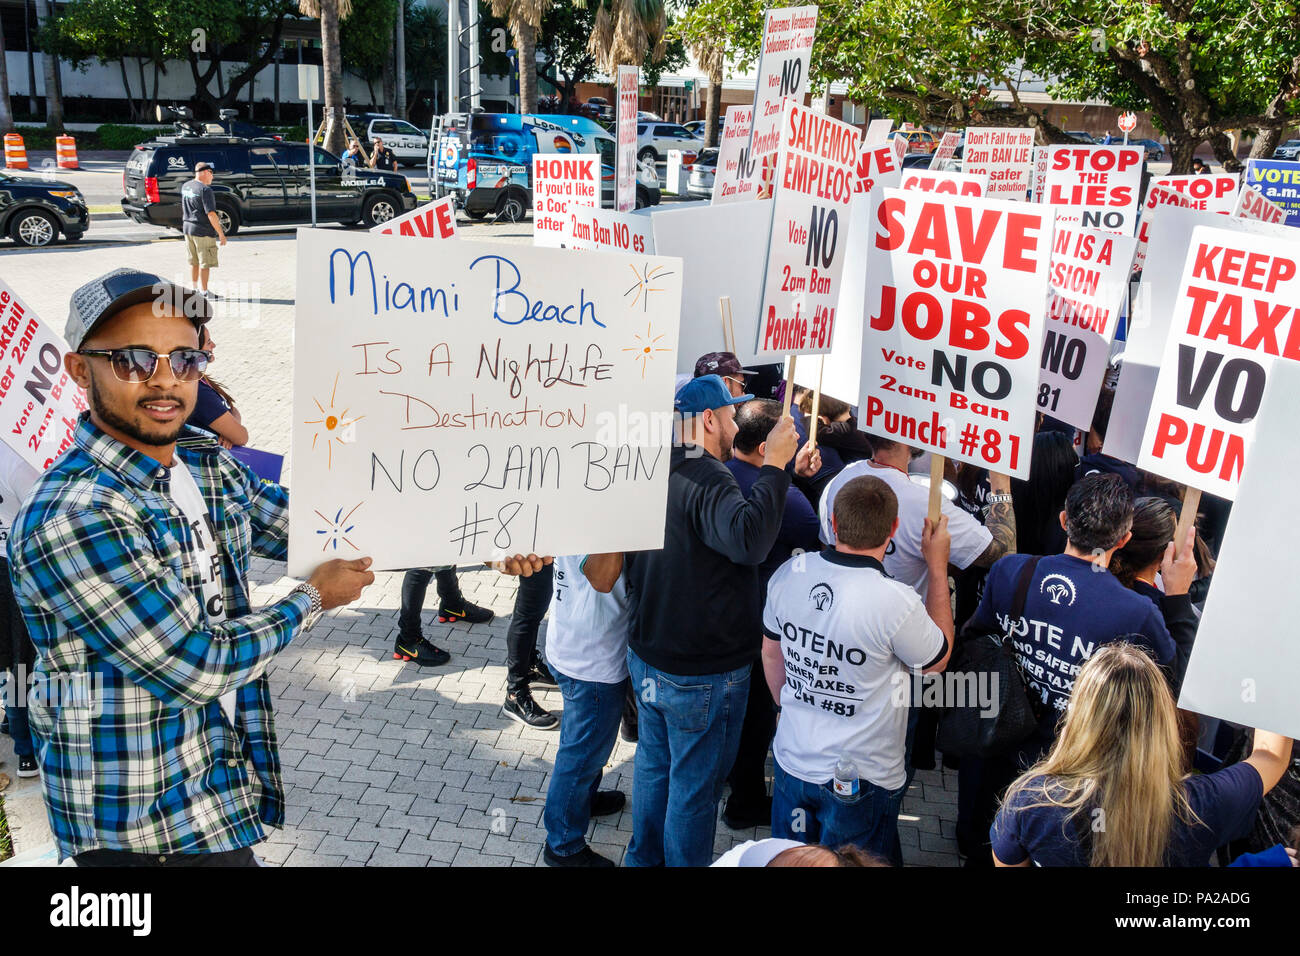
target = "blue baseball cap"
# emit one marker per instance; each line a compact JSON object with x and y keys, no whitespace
{"x":707,"y":391}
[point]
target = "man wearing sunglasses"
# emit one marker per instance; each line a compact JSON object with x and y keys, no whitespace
{"x":130,"y":563}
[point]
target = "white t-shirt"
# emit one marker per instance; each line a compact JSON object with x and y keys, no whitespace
{"x":903,"y":559}
{"x":756,"y":852}
{"x":207,"y":557}
{"x":587,"y":636}
{"x":849,"y":635}
{"x":16,"y":479}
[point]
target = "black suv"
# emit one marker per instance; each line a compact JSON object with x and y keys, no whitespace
{"x":34,"y":211}
{"x":258,"y":183}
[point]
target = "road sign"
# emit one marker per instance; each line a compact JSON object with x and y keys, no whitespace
{"x":308,"y":81}
{"x":1128,"y":122}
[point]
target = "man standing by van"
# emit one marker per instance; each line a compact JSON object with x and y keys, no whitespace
{"x":201,"y":225}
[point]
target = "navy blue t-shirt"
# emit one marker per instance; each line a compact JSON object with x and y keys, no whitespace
{"x":1073,"y":607}
{"x":799,"y":525}
{"x":1100,"y":464}
{"x":208,"y":407}
{"x":1225,"y":802}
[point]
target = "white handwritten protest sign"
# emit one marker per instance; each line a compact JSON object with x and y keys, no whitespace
{"x":39,"y":402}
{"x":561,"y":182}
{"x":782,"y":71}
{"x":433,"y":220}
{"x":1086,"y":287}
{"x":1006,"y":156}
{"x":490,"y":399}
{"x":1215,"y":192}
{"x":1236,"y":313}
{"x":733,"y":180}
{"x":805,"y":257}
{"x":1252,"y":204}
{"x":952,"y":184}
{"x":1095,"y":187}
{"x":1245,"y":665}
{"x":596,"y":228}
{"x":956,"y":295}
{"x":629,"y":90}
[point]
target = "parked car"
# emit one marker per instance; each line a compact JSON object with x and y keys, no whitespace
{"x":34,"y":211}
{"x":409,"y":143}
{"x":1155,"y":150}
{"x":1288,"y":150}
{"x":696,"y":127}
{"x":699,"y":185}
{"x":1082,"y":136}
{"x":643,"y":116}
{"x":258,"y":183}
{"x":918,"y":140}
{"x":485,"y":160}
{"x":600,"y":108}
{"x":917,"y":160}
{"x":654,"y":140}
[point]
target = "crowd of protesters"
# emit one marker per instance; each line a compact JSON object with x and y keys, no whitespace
{"x":801,"y":595}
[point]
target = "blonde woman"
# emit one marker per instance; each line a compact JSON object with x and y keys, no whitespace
{"x":1114,"y":790}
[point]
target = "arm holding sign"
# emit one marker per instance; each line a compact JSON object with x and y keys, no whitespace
{"x":1001,"y":522}
{"x":521,"y":565}
{"x":1271,"y":756}
{"x":602,"y":570}
{"x":1178,"y":571}
{"x":935,"y":546}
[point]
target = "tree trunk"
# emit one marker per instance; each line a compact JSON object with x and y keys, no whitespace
{"x":144,"y":90}
{"x":126,"y":85}
{"x":53,"y":101}
{"x":713,"y":106}
{"x":1182,"y":149}
{"x":332,"y":69}
{"x":389,"y":82}
{"x":31,"y":58}
{"x":400,"y":65}
{"x":1266,"y":141}
{"x":1222,"y":145}
{"x":6,"y":113}
{"x":526,"y":44}
{"x":153,"y":97}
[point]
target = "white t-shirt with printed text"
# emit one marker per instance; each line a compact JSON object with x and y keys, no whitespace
{"x":587,"y":636}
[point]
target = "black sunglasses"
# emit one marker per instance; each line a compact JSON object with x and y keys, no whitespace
{"x":136,"y":365}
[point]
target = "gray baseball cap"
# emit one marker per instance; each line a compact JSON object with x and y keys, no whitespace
{"x":112,"y":292}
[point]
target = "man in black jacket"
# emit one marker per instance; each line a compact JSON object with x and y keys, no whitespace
{"x":696,"y":624}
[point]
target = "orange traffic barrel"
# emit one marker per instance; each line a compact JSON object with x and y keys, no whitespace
{"x":15,"y":152}
{"x":66,"y":150}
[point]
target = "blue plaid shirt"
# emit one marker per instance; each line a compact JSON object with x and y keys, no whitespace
{"x":135,"y":749}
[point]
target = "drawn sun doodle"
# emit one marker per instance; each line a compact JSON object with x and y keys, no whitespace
{"x":337,"y":528}
{"x":332,"y":424}
{"x":641,"y":289}
{"x":645,"y":348}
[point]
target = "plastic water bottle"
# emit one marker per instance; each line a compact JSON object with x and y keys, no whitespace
{"x":846,"y":777}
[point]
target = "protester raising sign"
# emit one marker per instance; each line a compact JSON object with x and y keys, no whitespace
{"x":955,"y":296}
{"x":488,"y":400}
{"x":1006,"y":156}
{"x":596,"y":228}
{"x":1251,"y":204}
{"x":1088,"y":279}
{"x":433,"y":220}
{"x":734,"y":178}
{"x":1157,"y":196}
{"x":39,"y":403}
{"x":782,"y":71}
{"x":1279,"y":181}
{"x":805,"y":256}
{"x":625,"y":161}
{"x":1215,"y":192}
{"x":952,"y":184}
{"x":1096,"y":187}
{"x":1236,"y":312}
{"x":561,"y":182}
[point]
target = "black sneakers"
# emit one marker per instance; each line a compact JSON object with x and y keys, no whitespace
{"x":606,"y":802}
{"x":584,"y":857}
{"x":464,"y":611}
{"x":420,"y":651}
{"x":523,"y":708}
{"x":540,"y":674}
{"x":27,"y":767}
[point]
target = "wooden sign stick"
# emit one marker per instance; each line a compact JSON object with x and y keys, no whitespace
{"x":1187,"y":517}
{"x":789,"y":386}
{"x":936,"y":486}
{"x":728,"y":330}
{"x":816,"y":404}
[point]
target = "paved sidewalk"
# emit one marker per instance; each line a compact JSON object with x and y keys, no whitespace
{"x":387,"y":763}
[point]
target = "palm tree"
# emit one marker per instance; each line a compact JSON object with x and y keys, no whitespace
{"x":524,"y":17}
{"x":330,"y":13}
{"x":625,"y":31}
{"x":6,"y":114}
{"x":53,"y":101}
{"x":711,"y":55}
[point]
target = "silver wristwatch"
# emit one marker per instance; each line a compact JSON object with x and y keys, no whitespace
{"x":316,"y":610}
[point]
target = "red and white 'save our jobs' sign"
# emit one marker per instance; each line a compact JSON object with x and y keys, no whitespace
{"x":1215,"y":192}
{"x":629,"y":92}
{"x":956,"y":293}
{"x":1157,"y":196}
{"x":1005,"y":155}
{"x":734,"y":178}
{"x":39,"y":402}
{"x":1237,"y":312}
{"x":815,"y":176}
{"x":1253,"y":204}
{"x":561,"y":182}
{"x":782,"y":71}
{"x":1088,"y":279}
{"x":433,"y":220}
{"x":1096,"y":187}
{"x":952,"y":184}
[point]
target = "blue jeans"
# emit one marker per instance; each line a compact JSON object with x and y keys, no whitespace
{"x":592,"y":712}
{"x":19,"y":729}
{"x":812,"y":813}
{"x":689,"y":735}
